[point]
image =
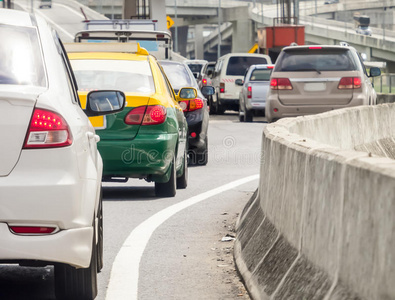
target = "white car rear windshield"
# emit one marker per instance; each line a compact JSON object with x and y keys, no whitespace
{"x":125,"y":75}
{"x":238,"y":65}
{"x":303,"y":59}
{"x":178,"y":76}
{"x":261,"y":75}
{"x":20,"y":57}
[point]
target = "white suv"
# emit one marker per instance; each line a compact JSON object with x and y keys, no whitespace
{"x":50,"y":169}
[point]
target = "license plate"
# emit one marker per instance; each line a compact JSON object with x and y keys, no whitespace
{"x":315,"y":86}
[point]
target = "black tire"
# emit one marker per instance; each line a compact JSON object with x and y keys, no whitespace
{"x":78,"y":284}
{"x":241,"y":117}
{"x":248,"y":116}
{"x":202,"y":158}
{"x":167,"y":189}
{"x":218,"y":108}
{"x":182,"y":181}
{"x":100,"y":256}
{"x":213,"y":108}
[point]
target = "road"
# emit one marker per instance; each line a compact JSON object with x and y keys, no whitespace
{"x":167,"y":248}
{"x":174,"y":248}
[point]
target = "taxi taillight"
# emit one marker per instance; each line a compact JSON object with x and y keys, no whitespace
{"x":191,"y":105}
{"x":146,"y":115}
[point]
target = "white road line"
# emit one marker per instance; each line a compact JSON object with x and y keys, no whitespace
{"x":124,"y":277}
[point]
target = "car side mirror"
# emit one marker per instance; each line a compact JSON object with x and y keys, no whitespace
{"x":374,"y":72}
{"x":239,"y":82}
{"x":187,"y":93}
{"x":99,"y":103}
{"x":207,"y":90}
{"x":210,"y":73}
{"x":196,"y":75}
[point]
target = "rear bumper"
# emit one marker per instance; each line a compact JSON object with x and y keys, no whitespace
{"x":142,"y":157}
{"x":284,"y":111}
{"x":253,"y":105}
{"x":198,"y":124}
{"x":72,"y":246}
{"x":48,"y":191}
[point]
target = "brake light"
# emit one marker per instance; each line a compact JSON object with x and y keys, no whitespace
{"x":222,"y":87}
{"x":32,"y":229}
{"x":350,"y":83}
{"x":280,"y":84}
{"x":270,"y":67}
{"x":47,"y":130}
{"x":249,"y":92}
{"x":204,"y":81}
{"x":192,"y":105}
{"x":315,"y":47}
{"x":146,"y":115}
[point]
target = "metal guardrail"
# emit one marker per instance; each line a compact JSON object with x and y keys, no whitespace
{"x":385,"y":83}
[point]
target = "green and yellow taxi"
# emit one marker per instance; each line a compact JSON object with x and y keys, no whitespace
{"x":147,"y":140}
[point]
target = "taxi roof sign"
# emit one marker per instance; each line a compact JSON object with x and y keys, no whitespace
{"x":132,"y":47}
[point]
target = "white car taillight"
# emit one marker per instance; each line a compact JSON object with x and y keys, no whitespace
{"x":47,"y":130}
{"x":249,"y":92}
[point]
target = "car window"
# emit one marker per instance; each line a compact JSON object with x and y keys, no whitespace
{"x":237,"y":65}
{"x":261,"y":75}
{"x":21,"y":61}
{"x":124,"y":75}
{"x":209,"y":67}
{"x":178,"y":76}
{"x":318,"y":59}
{"x":196,"y":68}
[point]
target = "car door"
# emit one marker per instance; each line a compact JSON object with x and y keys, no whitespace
{"x":182,"y":123}
{"x":89,"y":159}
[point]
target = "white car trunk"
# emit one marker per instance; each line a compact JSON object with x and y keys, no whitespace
{"x":15,"y":116}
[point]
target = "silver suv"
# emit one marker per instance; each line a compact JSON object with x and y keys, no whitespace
{"x":314,"y":79}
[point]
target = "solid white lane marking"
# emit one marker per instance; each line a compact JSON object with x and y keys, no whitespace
{"x":125,"y":269}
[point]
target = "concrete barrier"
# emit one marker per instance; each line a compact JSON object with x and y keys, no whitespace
{"x":322,"y":223}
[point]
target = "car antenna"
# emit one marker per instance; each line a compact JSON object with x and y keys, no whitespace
{"x":86,"y":18}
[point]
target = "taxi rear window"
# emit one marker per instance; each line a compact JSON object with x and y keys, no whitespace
{"x":20,"y":57}
{"x":124,"y":75}
{"x":303,"y":59}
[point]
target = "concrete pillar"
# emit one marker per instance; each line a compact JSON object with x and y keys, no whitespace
{"x":199,"y":46}
{"x":157,"y":10}
{"x":182,"y":32}
{"x":243,"y":37}
{"x":129,"y":9}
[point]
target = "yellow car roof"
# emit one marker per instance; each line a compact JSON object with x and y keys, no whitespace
{"x":118,"y":51}
{"x":107,"y":55}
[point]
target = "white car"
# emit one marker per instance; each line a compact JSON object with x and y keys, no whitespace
{"x":50,"y":169}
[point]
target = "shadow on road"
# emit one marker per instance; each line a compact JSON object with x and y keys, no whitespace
{"x":129,"y":193}
{"x":20,"y":283}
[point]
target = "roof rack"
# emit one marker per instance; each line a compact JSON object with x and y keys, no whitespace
{"x":132,"y":47}
{"x":116,"y":24}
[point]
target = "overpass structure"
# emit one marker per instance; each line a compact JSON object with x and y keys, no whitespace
{"x":239,"y":22}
